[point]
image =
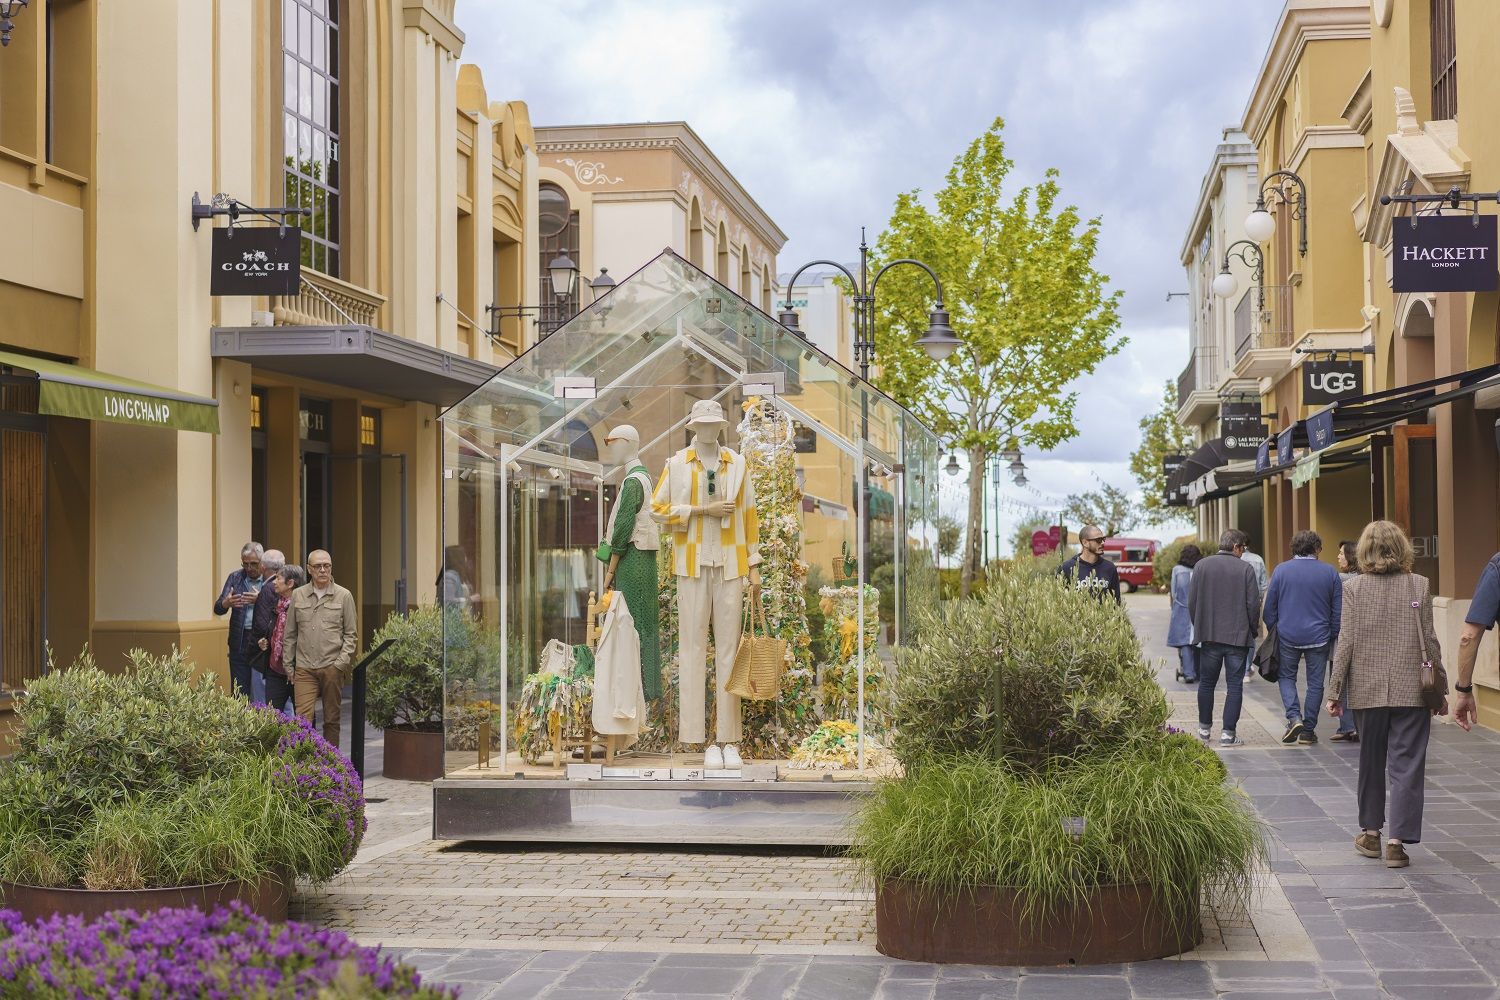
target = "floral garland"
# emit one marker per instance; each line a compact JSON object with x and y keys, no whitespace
{"x":835,"y":745}
{"x":839,"y":691}
{"x":552,"y":704}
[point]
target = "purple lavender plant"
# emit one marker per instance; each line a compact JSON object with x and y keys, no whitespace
{"x":316,"y":772}
{"x":226,"y":954}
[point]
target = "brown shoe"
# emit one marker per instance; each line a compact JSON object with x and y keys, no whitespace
{"x":1395,"y":856}
{"x":1368,"y":844}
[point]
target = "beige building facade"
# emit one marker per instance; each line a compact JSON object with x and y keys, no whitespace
{"x":421,"y":201}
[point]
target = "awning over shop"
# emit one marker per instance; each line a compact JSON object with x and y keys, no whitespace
{"x":68,"y":390}
{"x":356,"y":357}
{"x":1201,"y":462}
{"x":1376,"y":411}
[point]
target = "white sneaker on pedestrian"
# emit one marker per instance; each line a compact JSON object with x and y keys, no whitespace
{"x":732,"y":756}
{"x":1204,"y":733}
{"x":713,"y":758}
{"x":1227,"y":739}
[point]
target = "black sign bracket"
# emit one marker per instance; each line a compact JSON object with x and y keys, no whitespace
{"x":223,"y":204}
{"x":1453,"y":198}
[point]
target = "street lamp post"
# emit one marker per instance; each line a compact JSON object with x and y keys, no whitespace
{"x":8,"y":9}
{"x":1260,"y":225}
{"x":939,"y":341}
{"x":1251,"y":256}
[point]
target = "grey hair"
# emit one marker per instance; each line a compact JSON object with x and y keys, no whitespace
{"x":293,"y":574}
{"x":252,"y":549}
{"x":1230,"y":538}
{"x":272,"y":560}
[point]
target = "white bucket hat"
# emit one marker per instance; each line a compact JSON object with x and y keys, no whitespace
{"x":706,"y":411}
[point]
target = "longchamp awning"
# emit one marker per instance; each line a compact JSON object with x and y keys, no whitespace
{"x":67,"y":390}
{"x":356,"y":357}
{"x":1375,"y":411}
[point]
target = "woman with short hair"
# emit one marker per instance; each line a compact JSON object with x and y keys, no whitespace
{"x":1180,"y":628}
{"x":1384,"y":638}
{"x":278,"y":684}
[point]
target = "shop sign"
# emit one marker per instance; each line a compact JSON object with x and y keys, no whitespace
{"x":315,"y":418}
{"x":1284,"y":447}
{"x":1241,"y":429}
{"x":1320,"y":429}
{"x":1325,"y":382}
{"x":1046,"y":541}
{"x":256,"y":260}
{"x":1444,"y":253}
{"x":1169,"y":465}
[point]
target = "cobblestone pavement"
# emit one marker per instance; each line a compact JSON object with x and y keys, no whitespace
{"x":576,"y":924}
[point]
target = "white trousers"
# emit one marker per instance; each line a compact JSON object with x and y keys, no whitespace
{"x":699,"y":599}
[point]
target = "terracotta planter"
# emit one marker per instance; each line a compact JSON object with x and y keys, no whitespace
{"x":413,"y":754}
{"x":1124,"y":923}
{"x":268,"y":897}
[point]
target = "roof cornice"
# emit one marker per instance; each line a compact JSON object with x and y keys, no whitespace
{"x":1226,"y":155}
{"x":1301,"y":22}
{"x":1359,"y":111}
{"x":678,"y":137}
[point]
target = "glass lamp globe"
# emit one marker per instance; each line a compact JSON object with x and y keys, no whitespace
{"x":1225,"y":285}
{"x":1260,"y":225}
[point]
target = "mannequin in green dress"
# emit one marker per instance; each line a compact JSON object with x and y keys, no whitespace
{"x":629,"y":549}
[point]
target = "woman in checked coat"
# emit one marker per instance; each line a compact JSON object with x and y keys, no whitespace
{"x":1385,"y":635}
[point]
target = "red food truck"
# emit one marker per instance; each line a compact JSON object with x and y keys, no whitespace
{"x":1132,"y":558}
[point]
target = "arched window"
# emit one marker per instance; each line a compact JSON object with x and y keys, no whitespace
{"x":765,"y":288}
{"x":722,"y":246}
{"x":745,"y":270}
{"x":557,"y":231}
{"x":695,"y":234}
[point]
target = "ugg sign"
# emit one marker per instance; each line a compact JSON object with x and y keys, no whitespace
{"x":256,"y":260}
{"x":1444,"y":253}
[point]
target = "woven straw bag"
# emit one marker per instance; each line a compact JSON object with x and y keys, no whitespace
{"x":759,"y":661}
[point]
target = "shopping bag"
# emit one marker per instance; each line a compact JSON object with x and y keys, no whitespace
{"x":759,"y":661}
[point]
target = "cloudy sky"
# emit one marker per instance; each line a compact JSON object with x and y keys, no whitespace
{"x":825,"y":112}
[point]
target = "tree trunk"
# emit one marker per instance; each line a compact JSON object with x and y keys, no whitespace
{"x":974,"y":536}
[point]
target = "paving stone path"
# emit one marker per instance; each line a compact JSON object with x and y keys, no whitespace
{"x":569,"y":924}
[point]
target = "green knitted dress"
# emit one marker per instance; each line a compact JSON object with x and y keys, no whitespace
{"x":635,"y":577}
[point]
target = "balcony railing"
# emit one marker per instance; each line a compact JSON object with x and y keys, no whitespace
{"x":1263,"y":320}
{"x":339,"y":303}
{"x":1199,"y":374}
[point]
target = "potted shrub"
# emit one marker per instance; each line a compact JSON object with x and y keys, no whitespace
{"x":186,"y":952}
{"x":153,"y":789}
{"x":1046,"y":815}
{"x":405,"y":694}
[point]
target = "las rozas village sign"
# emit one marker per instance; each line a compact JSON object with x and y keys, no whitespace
{"x":256,"y":260}
{"x":1444,"y":253}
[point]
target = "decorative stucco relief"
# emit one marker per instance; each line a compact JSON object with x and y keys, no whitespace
{"x":589,"y":172}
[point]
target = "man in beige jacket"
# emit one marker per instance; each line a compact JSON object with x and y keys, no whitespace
{"x":318,"y":645}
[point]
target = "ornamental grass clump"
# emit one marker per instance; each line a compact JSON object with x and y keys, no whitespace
{"x":154,"y":778}
{"x":230,"y":953}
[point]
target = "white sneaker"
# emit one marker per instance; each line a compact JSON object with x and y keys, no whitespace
{"x":713,"y":758}
{"x":732,"y":756}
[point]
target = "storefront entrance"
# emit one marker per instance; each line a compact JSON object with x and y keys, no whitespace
{"x":1417,"y":492}
{"x":23,"y":504}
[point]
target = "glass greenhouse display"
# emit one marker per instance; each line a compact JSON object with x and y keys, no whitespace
{"x":614,"y":502}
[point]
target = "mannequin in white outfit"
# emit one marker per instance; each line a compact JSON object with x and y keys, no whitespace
{"x":714,"y":593}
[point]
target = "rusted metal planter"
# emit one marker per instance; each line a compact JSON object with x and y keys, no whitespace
{"x":986,"y":926}
{"x":267,"y":897}
{"x":413,"y":754}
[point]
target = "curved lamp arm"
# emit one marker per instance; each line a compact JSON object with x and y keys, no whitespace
{"x":1253,"y":258}
{"x":910,"y":260}
{"x":830,"y":263}
{"x":1299,"y":206}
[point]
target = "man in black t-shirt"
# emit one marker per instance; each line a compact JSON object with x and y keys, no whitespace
{"x":1089,"y":570}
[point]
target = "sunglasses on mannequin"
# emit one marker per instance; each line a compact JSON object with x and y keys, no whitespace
{"x":711,"y":481}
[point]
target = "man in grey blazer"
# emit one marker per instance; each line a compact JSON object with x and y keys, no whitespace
{"x":1224,"y":605}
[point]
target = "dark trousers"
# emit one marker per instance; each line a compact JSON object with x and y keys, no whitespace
{"x":278,"y":692}
{"x":1187,"y":659}
{"x":239,"y":672}
{"x":1215,"y":658}
{"x":1393,"y":743}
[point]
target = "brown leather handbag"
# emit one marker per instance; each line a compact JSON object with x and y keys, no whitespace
{"x":1434,"y":677}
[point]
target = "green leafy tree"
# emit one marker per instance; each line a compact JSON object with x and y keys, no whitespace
{"x":1161,"y":435}
{"x":1110,"y":507}
{"x":950,"y":535}
{"x":1032,"y":311}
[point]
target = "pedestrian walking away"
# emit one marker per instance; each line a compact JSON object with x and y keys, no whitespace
{"x":1224,"y":607}
{"x":1385,"y":636}
{"x":237,"y":600}
{"x":319,"y":642}
{"x":1303,"y":604}
{"x":1089,"y":569}
{"x":1483,"y":612}
{"x":1262,"y":581}
{"x":272,"y":641}
{"x":1347,"y":732}
{"x":1180,"y":628}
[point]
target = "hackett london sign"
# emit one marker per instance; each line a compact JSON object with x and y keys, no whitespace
{"x":1444,"y":253}
{"x":256,"y":260}
{"x":1325,"y":382}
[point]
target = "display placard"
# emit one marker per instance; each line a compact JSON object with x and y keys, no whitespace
{"x":256,"y":260}
{"x":1263,"y":456}
{"x":1325,"y":382}
{"x":1320,"y":429}
{"x":1444,"y":253}
{"x":1169,"y":465}
{"x":1284,"y":447}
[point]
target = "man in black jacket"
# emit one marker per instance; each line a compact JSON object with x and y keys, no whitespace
{"x":1089,"y":569}
{"x":1224,"y":605}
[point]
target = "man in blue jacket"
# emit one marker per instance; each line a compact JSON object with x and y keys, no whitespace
{"x":1303,"y":604}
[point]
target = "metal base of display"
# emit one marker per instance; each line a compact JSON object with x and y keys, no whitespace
{"x":627,"y":811}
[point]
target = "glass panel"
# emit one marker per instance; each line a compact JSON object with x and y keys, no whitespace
{"x":846,"y":493}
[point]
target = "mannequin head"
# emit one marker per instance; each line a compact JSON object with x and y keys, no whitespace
{"x":706,"y":422}
{"x":622,"y":445}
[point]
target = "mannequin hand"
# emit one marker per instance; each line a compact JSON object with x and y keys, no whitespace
{"x":609,"y":584}
{"x":718,"y":508}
